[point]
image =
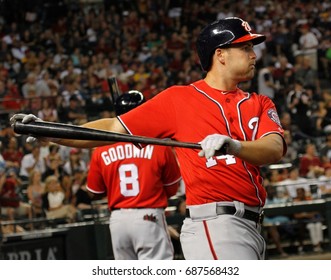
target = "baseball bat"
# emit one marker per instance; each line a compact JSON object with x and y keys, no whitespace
{"x":113,"y":88}
{"x":68,"y":131}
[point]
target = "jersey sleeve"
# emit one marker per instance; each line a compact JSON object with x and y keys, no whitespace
{"x":95,"y":181}
{"x":269,"y":121}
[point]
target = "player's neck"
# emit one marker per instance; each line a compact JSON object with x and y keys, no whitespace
{"x":220,"y":83}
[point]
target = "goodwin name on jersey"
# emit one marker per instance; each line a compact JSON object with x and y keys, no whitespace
{"x":126,"y":151}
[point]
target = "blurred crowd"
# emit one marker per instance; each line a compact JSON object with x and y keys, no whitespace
{"x":56,"y":58}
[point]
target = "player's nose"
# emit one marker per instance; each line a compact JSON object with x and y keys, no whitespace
{"x":252,"y":54}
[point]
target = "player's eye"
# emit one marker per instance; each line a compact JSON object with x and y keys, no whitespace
{"x":248,"y":48}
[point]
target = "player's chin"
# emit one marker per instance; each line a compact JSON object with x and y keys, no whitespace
{"x":248,"y":76}
{"x":251,"y":73}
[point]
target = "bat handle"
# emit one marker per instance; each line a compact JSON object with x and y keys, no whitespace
{"x":221,"y":151}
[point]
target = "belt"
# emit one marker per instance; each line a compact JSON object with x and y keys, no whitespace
{"x":117,"y":209}
{"x":230,"y":210}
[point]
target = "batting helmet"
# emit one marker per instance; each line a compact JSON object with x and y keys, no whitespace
{"x":231,"y":30}
{"x":128,"y":101}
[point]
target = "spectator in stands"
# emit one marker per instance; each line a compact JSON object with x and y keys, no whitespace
{"x":142,"y":73}
{"x":144,"y":54}
{"x":307,"y":73}
{"x":319,"y":112}
{"x":325,"y":150}
{"x":293,"y":182}
{"x":30,"y":93}
{"x":82,"y":200}
{"x":310,"y":165}
{"x":29,"y":87}
{"x":97,"y":101}
{"x":35,"y":191}
{"x":299,"y":106}
{"x":325,"y":54}
{"x":42,"y":85}
{"x":75,"y":162}
{"x":284,"y":79}
{"x":72,"y":165}
{"x":287,"y":122}
{"x":325,"y":182}
{"x":13,"y":154}
{"x":53,"y":201}
{"x":3,"y":89}
{"x":53,"y":155}
{"x":311,"y":221}
{"x":11,"y":203}
{"x":326,"y":121}
{"x":104,"y":69}
{"x":84,"y":203}
{"x":158,"y":57}
{"x":54,"y":166}
{"x":292,"y":148}
{"x":93,"y":85}
{"x":276,"y":225}
{"x":70,"y":91}
{"x":32,"y":161}
{"x":44,"y":149}
{"x":74,"y":113}
{"x":175,"y":64}
{"x":78,"y":178}
{"x":47,"y":111}
{"x":308,"y":45}
{"x":266,"y":82}
{"x":69,"y":73}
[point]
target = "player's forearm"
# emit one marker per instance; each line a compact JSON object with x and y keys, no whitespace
{"x":109,"y":124}
{"x":263,"y":151}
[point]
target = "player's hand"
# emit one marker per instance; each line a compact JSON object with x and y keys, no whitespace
{"x":217,"y":144}
{"x":25,"y":118}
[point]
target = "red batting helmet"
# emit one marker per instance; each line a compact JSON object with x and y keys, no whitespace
{"x":231,"y":30}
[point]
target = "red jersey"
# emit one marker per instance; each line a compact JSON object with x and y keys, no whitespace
{"x":190,"y":113}
{"x":133,"y":177}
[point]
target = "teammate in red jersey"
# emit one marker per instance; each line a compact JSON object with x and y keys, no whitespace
{"x":138,"y":183}
{"x":238,"y":131}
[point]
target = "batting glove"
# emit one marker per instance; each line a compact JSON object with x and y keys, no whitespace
{"x":216,"y":143}
{"x":25,"y":118}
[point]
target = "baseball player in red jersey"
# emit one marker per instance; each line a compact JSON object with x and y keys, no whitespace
{"x":238,"y":132}
{"x":138,"y":183}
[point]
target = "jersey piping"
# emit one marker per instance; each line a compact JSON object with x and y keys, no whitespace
{"x":218,"y":104}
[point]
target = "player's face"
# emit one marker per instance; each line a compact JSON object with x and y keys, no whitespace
{"x":241,"y":60}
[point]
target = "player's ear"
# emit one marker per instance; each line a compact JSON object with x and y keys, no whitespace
{"x":219,"y":54}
